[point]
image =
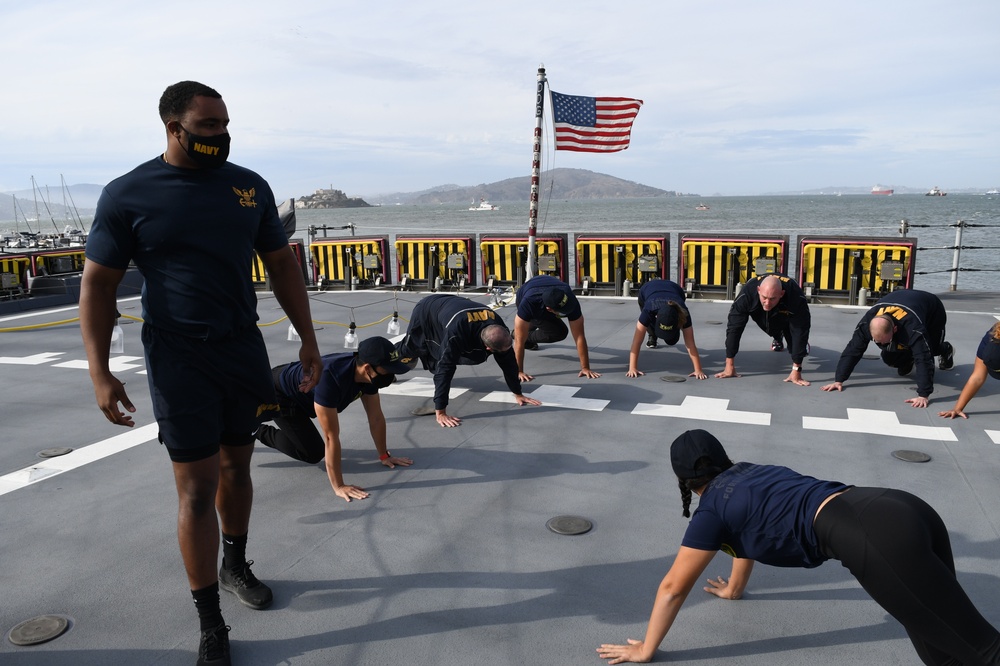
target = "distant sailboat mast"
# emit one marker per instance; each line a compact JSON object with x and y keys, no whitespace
{"x":23,"y":216}
{"x":77,"y":220}
{"x":34,"y":190}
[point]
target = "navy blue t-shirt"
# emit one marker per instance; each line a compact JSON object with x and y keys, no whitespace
{"x":989,"y":353}
{"x":192,"y":234}
{"x":654,"y":294}
{"x":336,"y":388}
{"x":763,"y":513}
{"x":529,"y":298}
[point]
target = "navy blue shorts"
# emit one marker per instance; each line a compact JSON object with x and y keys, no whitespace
{"x":207,"y":393}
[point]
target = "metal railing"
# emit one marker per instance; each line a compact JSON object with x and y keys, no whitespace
{"x":956,"y":268}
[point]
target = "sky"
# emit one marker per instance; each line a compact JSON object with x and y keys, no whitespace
{"x":388,"y":96}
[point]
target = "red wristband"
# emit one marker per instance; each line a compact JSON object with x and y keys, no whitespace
{"x":385,"y":456}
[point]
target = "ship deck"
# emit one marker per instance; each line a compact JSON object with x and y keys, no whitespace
{"x":450,"y":561}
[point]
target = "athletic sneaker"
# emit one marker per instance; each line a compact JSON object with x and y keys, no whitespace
{"x":531,"y":346}
{"x":651,"y":342}
{"x":777,"y":345}
{"x":241,"y":582}
{"x":214,"y":647}
{"x":904,"y":370}
{"x":947,"y":360}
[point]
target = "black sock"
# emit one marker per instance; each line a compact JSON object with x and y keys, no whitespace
{"x":234,"y":550}
{"x":206,"y":600}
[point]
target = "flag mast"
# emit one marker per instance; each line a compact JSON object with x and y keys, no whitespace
{"x":536,"y":161}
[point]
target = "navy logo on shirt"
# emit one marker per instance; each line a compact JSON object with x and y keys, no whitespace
{"x":265,"y":407}
{"x":246,"y":197}
{"x":896,"y":313}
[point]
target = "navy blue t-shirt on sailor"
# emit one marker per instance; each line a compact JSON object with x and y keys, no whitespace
{"x":763,"y":513}
{"x":529,"y":298}
{"x":192,"y":234}
{"x":654,"y":294}
{"x":989,"y":354}
{"x":336,"y":388}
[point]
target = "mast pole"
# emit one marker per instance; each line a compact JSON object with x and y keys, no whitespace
{"x":536,"y":162}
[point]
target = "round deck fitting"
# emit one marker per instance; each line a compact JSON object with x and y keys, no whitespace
{"x":712,"y":322}
{"x":54,"y":452}
{"x":38,"y":630}
{"x":569,"y":525}
{"x":673,"y":378}
{"x":911,"y":456}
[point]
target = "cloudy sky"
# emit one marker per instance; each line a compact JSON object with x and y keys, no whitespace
{"x":386,"y":96}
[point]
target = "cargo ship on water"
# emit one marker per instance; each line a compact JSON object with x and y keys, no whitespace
{"x":878,"y":189}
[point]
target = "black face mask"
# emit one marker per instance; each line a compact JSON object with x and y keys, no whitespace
{"x":381,"y":381}
{"x":210,"y":152}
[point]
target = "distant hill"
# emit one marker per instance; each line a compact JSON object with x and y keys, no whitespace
{"x":50,"y":204}
{"x":564,"y":183}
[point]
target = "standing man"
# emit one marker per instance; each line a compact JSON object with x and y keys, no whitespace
{"x":542,"y":302}
{"x":908,"y":326}
{"x":447,"y":331}
{"x":780,"y":309}
{"x":345,"y":378}
{"x":191,"y":221}
{"x":663,"y":313}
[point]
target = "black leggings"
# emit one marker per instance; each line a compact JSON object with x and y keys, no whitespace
{"x":898,"y":548}
{"x":295,"y":435}
{"x":547,"y":328}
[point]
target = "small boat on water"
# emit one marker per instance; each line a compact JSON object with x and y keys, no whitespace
{"x":483,"y":205}
{"x":994,"y":191}
{"x":701,"y":207}
{"x":878,"y":189}
{"x":936,"y":192}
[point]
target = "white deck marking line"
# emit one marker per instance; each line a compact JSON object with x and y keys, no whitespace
{"x":552,"y":396}
{"x":420,"y":387}
{"x":50,"y":467}
{"x":877,"y":422}
{"x":703,"y":409}
{"x":116,"y":364}
{"x":34,"y":359}
{"x":994,"y":435}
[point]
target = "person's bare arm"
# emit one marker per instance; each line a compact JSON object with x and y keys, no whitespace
{"x":98,"y":307}
{"x":290,"y":292}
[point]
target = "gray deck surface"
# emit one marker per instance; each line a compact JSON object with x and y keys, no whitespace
{"x":450,"y":561}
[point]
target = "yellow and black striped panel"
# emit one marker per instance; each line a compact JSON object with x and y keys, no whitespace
{"x":503,"y":257}
{"x":333,"y":258}
{"x":413,"y":257}
{"x":829,"y":264}
{"x":707,"y":260}
{"x":597,"y":258}
{"x":19,"y":265}
{"x":258,"y":273}
{"x":54,"y":263}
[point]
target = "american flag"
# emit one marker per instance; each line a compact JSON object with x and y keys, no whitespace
{"x":593,"y":124}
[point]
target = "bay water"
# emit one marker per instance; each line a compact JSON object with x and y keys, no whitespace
{"x":931,"y":221}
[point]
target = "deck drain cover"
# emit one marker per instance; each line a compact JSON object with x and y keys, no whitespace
{"x":38,"y":630}
{"x":53,"y":453}
{"x":714,"y":323}
{"x":422,"y":411}
{"x":569,"y":525}
{"x":911,"y":456}
{"x":673,"y":378}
